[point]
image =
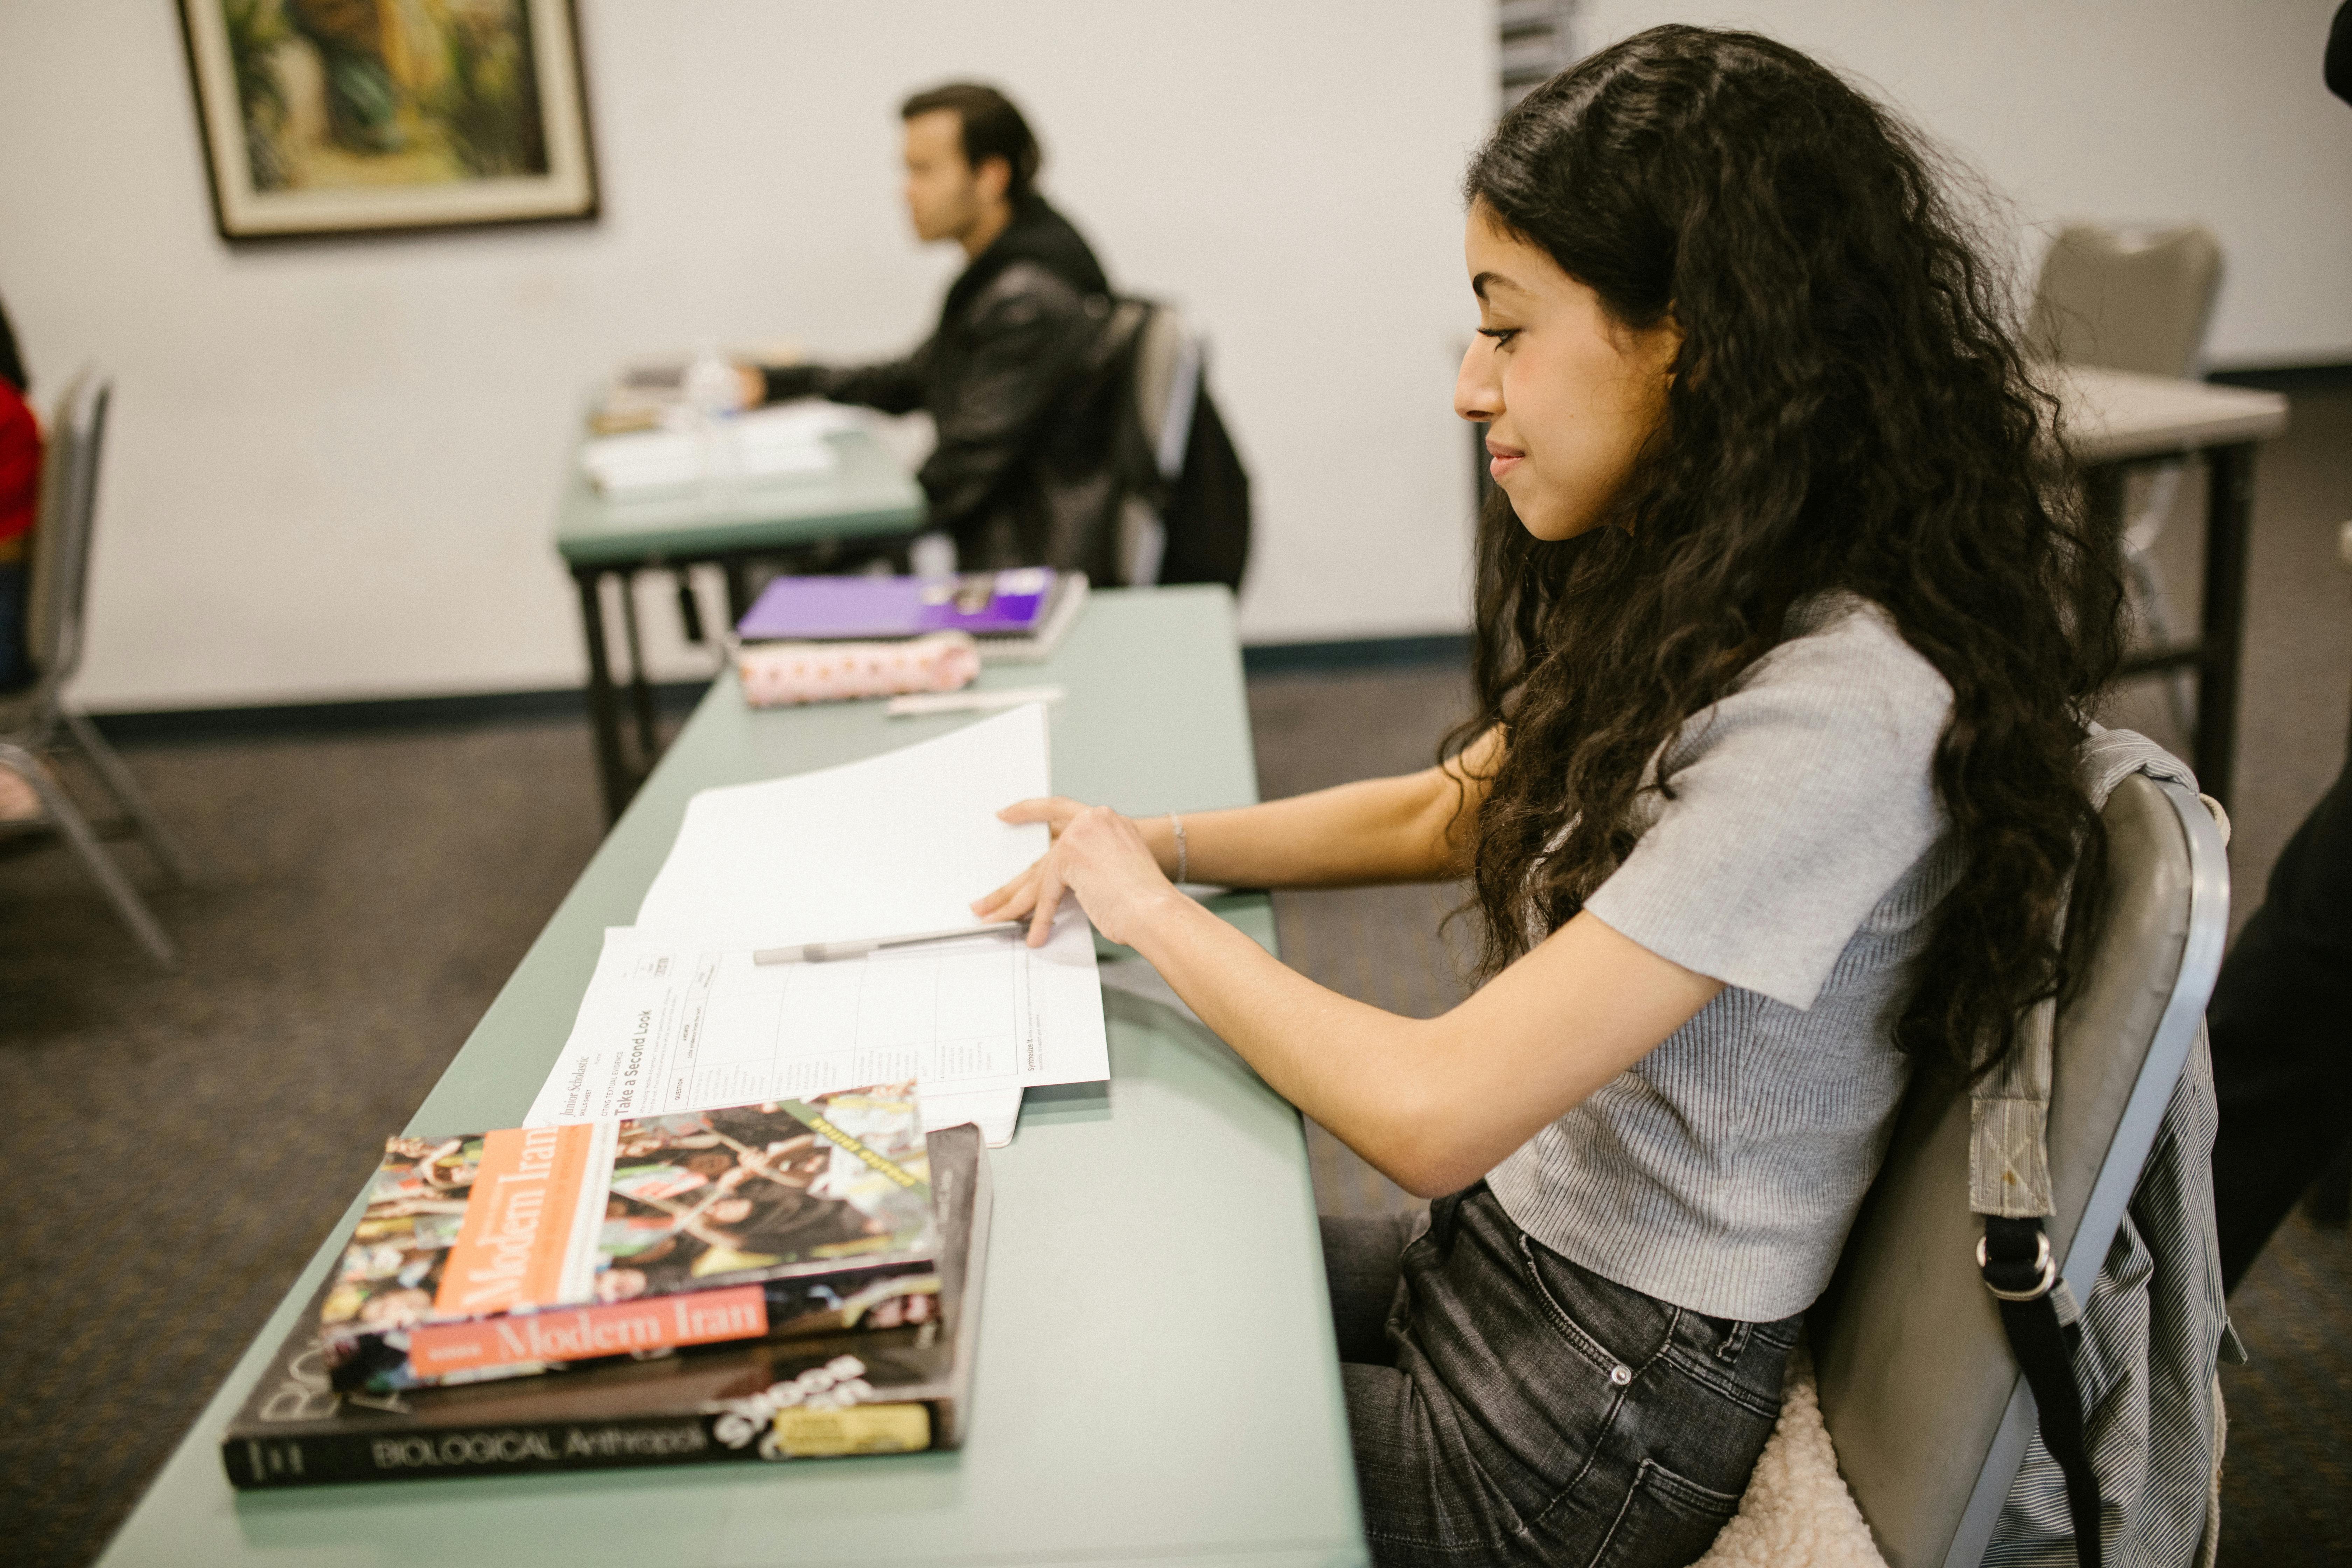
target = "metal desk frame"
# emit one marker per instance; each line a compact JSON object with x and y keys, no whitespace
{"x":2115,"y":421}
{"x":2215,"y":653}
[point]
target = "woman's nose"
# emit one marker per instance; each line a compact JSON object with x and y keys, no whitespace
{"x":1477,"y":390}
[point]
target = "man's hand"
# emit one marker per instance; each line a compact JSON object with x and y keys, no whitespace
{"x":1098,"y":855}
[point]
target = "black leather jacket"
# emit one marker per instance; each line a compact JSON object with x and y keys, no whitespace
{"x":1016,"y":378}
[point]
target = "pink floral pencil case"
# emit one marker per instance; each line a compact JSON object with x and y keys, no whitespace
{"x":780,"y":674}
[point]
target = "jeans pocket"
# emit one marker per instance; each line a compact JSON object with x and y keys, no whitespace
{"x":1666,"y":1520}
{"x":1617,"y":1328}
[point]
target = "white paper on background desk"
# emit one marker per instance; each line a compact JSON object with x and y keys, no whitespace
{"x":761,"y":443}
{"x":803,"y":419}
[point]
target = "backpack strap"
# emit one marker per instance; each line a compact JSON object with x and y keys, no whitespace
{"x":2009,"y":1184}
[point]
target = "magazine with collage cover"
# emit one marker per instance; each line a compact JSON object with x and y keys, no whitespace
{"x":895,"y":1390}
{"x":502,"y":1254}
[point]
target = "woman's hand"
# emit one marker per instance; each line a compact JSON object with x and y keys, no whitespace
{"x":1098,"y":855}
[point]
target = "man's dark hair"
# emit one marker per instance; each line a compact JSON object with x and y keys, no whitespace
{"x":992,"y":128}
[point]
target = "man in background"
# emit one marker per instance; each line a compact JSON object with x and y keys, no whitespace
{"x":1025,"y":445}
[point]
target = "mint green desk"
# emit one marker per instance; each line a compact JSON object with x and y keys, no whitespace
{"x":866,"y":496}
{"x":1157,"y":1379}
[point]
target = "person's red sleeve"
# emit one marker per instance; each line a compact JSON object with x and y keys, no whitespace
{"x":20,"y":464}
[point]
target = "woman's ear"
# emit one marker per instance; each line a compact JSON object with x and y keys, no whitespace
{"x":1666,"y":341}
{"x":1669,"y":342}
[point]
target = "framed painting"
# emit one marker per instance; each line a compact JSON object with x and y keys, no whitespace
{"x":367,"y":116}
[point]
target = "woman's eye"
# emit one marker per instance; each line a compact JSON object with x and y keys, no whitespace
{"x":1502,"y":336}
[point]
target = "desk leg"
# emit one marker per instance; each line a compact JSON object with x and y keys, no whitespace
{"x":641,"y":693}
{"x":738,"y":589}
{"x":2229,"y":525}
{"x":2103,"y":508}
{"x":604,"y":712}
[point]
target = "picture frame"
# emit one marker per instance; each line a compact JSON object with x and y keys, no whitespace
{"x":370,"y":117}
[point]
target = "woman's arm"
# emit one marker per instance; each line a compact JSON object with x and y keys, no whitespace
{"x":1432,"y":1103}
{"x":1411,"y":829}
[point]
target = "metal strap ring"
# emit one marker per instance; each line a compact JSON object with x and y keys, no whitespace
{"x":2041,"y":1261}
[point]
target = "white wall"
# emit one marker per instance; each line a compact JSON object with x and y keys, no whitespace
{"x":2116,"y":111}
{"x":333,"y":464}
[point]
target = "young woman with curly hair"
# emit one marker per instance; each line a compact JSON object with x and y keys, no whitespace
{"x":1785,"y":636}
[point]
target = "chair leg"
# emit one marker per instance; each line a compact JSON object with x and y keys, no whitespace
{"x":70,"y":822}
{"x":133,"y":799}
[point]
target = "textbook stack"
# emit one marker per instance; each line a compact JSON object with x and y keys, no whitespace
{"x":794,"y":1279}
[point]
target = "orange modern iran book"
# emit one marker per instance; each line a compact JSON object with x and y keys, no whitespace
{"x":505,"y":1253}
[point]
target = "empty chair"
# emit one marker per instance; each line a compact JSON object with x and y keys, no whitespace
{"x":1927,"y":1407}
{"x":35,"y":719}
{"x":2122,"y":299}
{"x":2136,"y":299}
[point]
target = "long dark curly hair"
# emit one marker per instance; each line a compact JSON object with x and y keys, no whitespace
{"x":1850,"y":411}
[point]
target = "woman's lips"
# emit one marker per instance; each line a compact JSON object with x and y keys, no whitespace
{"x":1501,"y":461}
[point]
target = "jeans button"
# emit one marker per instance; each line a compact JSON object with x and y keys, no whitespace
{"x":1620,"y":1375}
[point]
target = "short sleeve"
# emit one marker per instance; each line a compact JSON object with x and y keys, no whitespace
{"x":1798,"y":801}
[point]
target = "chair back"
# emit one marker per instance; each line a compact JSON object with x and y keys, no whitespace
{"x":2136,"y":299}
{"x":57,"y":581}
{"x":1925,"y":1403}
{"x":1167,"y":387}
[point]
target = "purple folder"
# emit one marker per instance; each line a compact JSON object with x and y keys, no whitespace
{"x":985,"y":603}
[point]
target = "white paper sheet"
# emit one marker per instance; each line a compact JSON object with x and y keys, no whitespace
{"x":898,"y":843}
{"x":803,"y":419}
{"x":671,"y":1024}
{"x":995,"y":1112}
{"x":761,"y":443}
{"x":901,"y":842}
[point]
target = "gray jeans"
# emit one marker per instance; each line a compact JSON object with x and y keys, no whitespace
{"x":1509,"y":1406}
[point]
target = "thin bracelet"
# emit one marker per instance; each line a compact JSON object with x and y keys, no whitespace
{"x":1184,"y":859}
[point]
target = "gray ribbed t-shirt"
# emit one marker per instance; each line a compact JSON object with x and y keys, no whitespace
{"x":1798,"y":863}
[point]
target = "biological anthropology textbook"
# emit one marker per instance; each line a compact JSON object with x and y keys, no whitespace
{"x":888,"y":1391}
{"x":498,"y":1255}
